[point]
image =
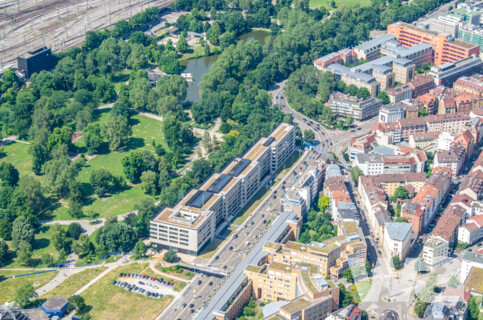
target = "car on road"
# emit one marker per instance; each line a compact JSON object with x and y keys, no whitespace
{"x":183,"y":305}
{"x":247,"y":243}
{"x":192,"y":310}
{"x":216,"y":257}
{"x":246,"y":233}
{"x":230,"y":248}
{"x":211,"y":283}
{"x":199,"y":282}
{"x":235,"y":236}
{"x":264,"y":221}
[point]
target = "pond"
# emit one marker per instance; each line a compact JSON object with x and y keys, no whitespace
{"x":199,"y":66}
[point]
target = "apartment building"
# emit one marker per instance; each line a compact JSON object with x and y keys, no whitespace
{"x":414,"y":215}
{"x":446,"y":74}
{"x":454,"y":158}
{"x":429,"y":102}
{"x":411,"y":107}
{"x":192,"y":222}
{"x":398,"y":239}
{"x":425,"y":140}
{"x":435,"y":251}
{"x":390,"y":182}
{"x":446,"y":48}
{"x":400,"y":93}
{"x":472,"y":231}
{"x":375,"y":203}
{"x":472,"y":186}
{"x":361,"y":144}
{"x":411,"y":126}
{"x":418,"y":54}
{"x":472,"y":84}
{"x":273,"y":282}
{"x":344,"y":105}
{"x":469,"y":261}
{"x":371,"y":164}
{"x":391,"y":113}
{"x":452,"y":123}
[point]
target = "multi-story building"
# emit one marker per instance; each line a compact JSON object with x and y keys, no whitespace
{"x":471,"y":34}
{"x":473,"y":84}
{"x":472,"y":231}
{"x":391,"y":113}
{"x":429,"y":102}
{"x":414,"y":215}
{"x":361,"y":144}
{"x":35,"y":61}
{"x":428,"y":200}
{"x":468,"y":261}
{"x":454,"y":158}
{"x":374,"y":201}
{"x":445,"y":25}
{"x":359,"y":79}
{"x":446,"y":49}
{"x":435,"y":251}
{"x":344,"y":56}
{"x":305,"y":308}
{"x":404,"y":70}
{"x":351,"y":312}
{"x":421,"y":85}
{"x":193,"y":222}
{"x":452,"y":123}
{"x":400,"y":93}
{"x":446,"y":74}
{"x":390,"y":182}
{"x":343,"y":105}
{"x":397,"y":239}
{"x":411,"y":126}
{"x":370,"y":50}
{"x":425,"y":140}
{"x":330,"y":257}
{"x":371,"y":164}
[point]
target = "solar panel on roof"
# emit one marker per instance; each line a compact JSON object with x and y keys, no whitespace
{"x":219,"y":183}
{"x":239,"y":167}
{"x":269,"y":141}
{"x":199,"y":199}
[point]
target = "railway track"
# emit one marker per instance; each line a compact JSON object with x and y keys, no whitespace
{"x":60,"y":24}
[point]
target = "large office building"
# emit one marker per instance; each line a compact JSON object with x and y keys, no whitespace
{"x":193,"y":222}
{"x":35,"y":61}
{"x":446,"y":48}
{"x":344,"y":105}
{"x":448,"y":73}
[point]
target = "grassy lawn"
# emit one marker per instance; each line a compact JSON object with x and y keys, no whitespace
{"x":145,"y":130}
{"x":17,"y":154}
{"x":42,"y":244}
{"x":72,"y":284}
{"x":112,"y":302}
{"x":185,"y":274}
{"x":362,"y":289}
{"x":9,"y":287}
{"x":339,"y":3}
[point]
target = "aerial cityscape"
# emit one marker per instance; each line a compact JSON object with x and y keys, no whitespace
{"x":236,"y":160}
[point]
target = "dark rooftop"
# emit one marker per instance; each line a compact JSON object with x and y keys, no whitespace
{"x":219,"y":183}
{"x":239,"y":167}
{"x":199,"y":199}
{"x":269,"y":141}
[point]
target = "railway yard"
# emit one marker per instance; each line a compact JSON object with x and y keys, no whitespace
{"x":29,"y":24}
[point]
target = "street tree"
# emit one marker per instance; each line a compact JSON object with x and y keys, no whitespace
{"x":309,"y":135}
{"x":356,"y":172}
{"x":139,"y":249}
{"x":170,"y":256}
{"x":396,"y":262}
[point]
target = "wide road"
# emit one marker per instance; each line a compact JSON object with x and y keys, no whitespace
{"x":334,"y":141}
{"x":233,"y":251}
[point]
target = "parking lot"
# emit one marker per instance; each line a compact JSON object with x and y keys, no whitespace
{"x":149,"y":286}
